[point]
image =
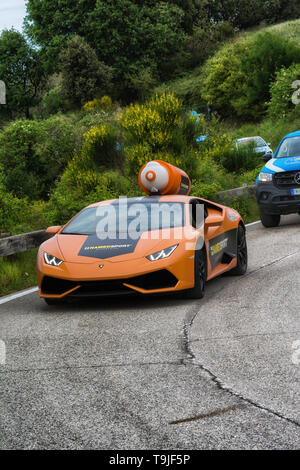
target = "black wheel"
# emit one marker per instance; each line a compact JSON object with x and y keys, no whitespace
{"x":269,"y":220}
{"x":242,"y":253}
{"x":200,"y":274}
{"x":52,"y":301}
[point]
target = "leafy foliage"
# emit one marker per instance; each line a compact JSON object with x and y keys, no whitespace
{"x":104,"y":103}
{"x":244,"y":14}
{"x":34,"y":154}
{"x":83,"y":75}
{"x":281,"y":92}
{"x":236,"y":80}
{"x":159,"y":129}
{"x":20,"y":69}
{"x":101,"y":148}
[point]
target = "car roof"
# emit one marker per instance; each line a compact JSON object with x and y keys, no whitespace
{"x":249,"y":138}
{"x":292,"y":134}
{"x":151,"y":199}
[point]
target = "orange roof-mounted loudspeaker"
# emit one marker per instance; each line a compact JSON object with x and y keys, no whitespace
{"x":158,"y":177}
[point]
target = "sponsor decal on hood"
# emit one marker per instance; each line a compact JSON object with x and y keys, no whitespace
{"x":93,"y":247}
{"x":277,"y":165}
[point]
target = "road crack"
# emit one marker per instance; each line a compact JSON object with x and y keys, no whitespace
{"x":178,"y":362}
{"x":192,"y":360}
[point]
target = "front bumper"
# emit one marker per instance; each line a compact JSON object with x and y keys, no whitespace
{"x":274,"y":201}
{"x":74,"y":280}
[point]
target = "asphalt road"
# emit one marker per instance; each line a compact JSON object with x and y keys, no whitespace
{"x":161,"y":373}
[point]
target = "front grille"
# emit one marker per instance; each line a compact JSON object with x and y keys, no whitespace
{"x":286,"y":179}
{"x":162,"y":279}
{"x":54,"y":286}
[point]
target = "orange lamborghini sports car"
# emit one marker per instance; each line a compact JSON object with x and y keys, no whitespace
{"x":164,"y":242}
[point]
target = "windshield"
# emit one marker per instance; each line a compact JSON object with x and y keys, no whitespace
{"x":127,"y":217}
{"x":256,"y":141}
{"x":290,"y":147}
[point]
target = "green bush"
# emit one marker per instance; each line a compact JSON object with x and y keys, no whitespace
{"x":160,"y":129}
{"x":83,"y":184}
{"x":20,"y":215}
{"x":281,"y":92}
{"x":238,"y":160}
{"x":33,"y":154}
{"x":52,"y":102}
{"x":236,"y":80}
{"x":246,"y":206}
{"x":101,"y":146}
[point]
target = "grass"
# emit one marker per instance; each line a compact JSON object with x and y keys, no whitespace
{"x":17,"y":272}
{"x":246,"y":206}
{"x":271,"y":130}
{"x":188,"y":88}
{"x":288,"y":30}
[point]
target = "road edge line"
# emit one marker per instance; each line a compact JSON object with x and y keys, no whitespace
{"x":8,"y":298}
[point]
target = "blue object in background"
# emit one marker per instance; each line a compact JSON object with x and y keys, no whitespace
{"x":201,"y":138}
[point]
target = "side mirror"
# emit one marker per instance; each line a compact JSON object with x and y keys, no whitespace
{"x":53,"y":230}
{"x":269,"y":144}
{"x":214,"y":221}
{"x":267,"y":157}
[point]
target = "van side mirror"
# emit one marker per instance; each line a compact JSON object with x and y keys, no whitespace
{"x":266,"y":157}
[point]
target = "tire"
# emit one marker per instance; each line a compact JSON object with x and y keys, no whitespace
{"x":200,"y":274}
{"x":269,"y":220}
{"x":53,"y":302}
{"x":242,"y":253}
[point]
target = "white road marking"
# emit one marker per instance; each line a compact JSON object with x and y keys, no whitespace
{"x":8,"y":298}
{"x":253,"y":223}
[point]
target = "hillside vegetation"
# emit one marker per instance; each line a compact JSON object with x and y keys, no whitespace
{"x":96,"y":89}
{"x":189,"y":87}
{"x":81,"y":146}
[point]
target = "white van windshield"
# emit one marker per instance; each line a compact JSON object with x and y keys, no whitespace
{"x":290,"y":147}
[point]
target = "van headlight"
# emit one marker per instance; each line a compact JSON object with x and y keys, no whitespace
{"x":52,"y":260}
{"x":265,"y":177}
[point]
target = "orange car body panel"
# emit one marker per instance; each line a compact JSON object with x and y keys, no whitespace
{"x":79,"y":269}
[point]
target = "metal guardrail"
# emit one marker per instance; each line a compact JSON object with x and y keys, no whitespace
{"x":18,"y":243}
{"x":24,"y":242}
{"x":237,"y":192}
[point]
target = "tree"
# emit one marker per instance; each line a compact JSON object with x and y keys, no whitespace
{"x":21,"y":71}
{"x":84,"y":77}
{"x":129,"y":35}
{"x":132,"y":37}
{"x":50,"y":23}
{"x":244,"y":14}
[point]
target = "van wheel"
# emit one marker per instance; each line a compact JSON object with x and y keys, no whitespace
{"x":200,"y":275}
{"x":269,"y":220}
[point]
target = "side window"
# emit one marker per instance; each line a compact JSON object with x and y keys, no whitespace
{"x":198,"y":212}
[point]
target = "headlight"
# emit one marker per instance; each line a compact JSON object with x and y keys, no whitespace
{"x":265,"y":177}
{"x":162,"y":253}
{"x":52,"y":260}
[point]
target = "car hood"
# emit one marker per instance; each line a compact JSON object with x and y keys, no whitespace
{"x":276,"y":165}
{"x":263,"y":149}
{"x":88,"y":249}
